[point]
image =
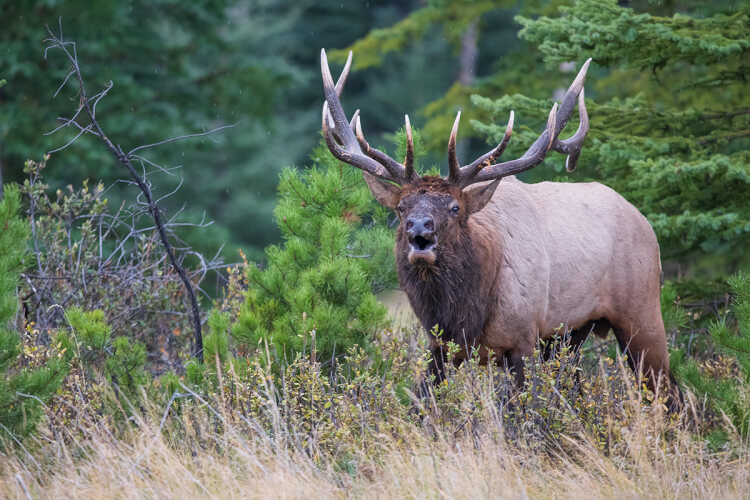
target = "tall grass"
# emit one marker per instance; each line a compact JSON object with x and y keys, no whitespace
{"x":266,"y":435}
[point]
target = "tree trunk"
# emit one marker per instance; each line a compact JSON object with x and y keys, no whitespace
{"x":467,"y":63}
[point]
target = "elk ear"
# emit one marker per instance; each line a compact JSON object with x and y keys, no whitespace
{"x":385,"y":192}
{"x":478,"y":196}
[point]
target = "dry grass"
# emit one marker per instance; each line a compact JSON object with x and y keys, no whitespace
{"x":239,"y":462}
{"x":248,"y":435}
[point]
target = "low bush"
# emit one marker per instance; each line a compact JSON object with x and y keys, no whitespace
{"x":725,"y":380}
{"x":86,"y":255}
{"x":24,"y":388}
{"x":320,"y":282}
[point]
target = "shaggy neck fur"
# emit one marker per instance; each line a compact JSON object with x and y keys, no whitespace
{"x":454,"y":292}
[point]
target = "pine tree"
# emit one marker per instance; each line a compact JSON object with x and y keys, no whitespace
{"x":441,"y":31}
{"x":22,"y":390}
{"x":731,"y":395}
{"x":320,"y":282}
{"x":193,"y":66}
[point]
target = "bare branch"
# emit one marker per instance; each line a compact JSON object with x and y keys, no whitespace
{"x":79,"y":134}
{"x":63,"y":84}
{"x":179,"y":138}
{"x":89,"y":105}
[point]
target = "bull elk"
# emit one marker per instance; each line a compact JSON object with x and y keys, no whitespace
{"x":500,"y":265}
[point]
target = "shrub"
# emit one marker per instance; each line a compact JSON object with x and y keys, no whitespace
{"x":728,"y":390}
{"x":89,"y":256}
{"x":318,"y":286}
{"x":23,"y":390}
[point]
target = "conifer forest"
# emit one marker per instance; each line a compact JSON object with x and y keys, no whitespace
{"x":276,"y":249}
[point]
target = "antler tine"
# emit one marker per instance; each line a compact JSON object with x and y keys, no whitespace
{"x":339,"y":133}
{"x":570,"y":98}
{"x":557,"y":120}
{"x":454,"y":168}
{"x":470,"y":171}
{"x":344,"y":74}
{"x":332,"y":92}
{"x":572,"y":146}
{"x":353,"y":123}
{"x":409,"y":160}
{"x":393,"y":167}
{"x":550,"y":131}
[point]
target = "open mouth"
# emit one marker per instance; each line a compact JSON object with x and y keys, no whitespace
{"x":422,"y":250}
{"x":421,"y":243}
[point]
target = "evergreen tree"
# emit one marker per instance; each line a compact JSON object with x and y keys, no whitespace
{"x":177,"y":68}
{"x":22,"y":390}
{"x":182,"y":68}
{"x":731,"y":395}
{"x":320,"y":282}
{"x":475,"y":50}
{"x":118,"y":360}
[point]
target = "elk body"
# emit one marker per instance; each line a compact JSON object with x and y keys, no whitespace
{"x":500,"y":265}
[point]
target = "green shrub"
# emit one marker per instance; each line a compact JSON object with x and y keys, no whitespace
{"x":729,"y":394}
{"x":318,"y":286}
{"x":94,"y":258}
{"x":23,"y":390}
{"x":216,"y":342}
{"x":104,"y":359}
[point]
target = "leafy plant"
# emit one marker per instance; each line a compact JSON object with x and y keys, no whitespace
{"x":86,"y":255}
{"x":23,"y":390}
{"x":317,"y":289}
{"x":101,"y":361}
{"x":728,"y":390}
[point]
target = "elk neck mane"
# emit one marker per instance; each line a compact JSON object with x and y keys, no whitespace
{"x":456,"y":292}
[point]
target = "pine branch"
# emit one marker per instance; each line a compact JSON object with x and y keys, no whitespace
{"x":726,"y":137}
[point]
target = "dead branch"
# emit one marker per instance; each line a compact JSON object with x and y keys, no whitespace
{"x":89,"y":106}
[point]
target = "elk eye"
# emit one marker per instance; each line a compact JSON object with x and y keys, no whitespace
{"x":455,"y":209}
{"x":400,"y":210}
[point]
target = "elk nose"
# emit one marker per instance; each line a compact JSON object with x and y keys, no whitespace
{"x":420,"y":226}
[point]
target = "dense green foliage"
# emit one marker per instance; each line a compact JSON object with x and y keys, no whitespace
{"x":176,"y":69}
{"x":729,"y":395}
{"x":180,"y":69}
{"x":118,"y":360}
{"x":22,"y":390}
{"x":318,"y":286}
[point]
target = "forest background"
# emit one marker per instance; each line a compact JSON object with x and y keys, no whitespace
{"x":298,"y":368}
{"x":181,"y":69}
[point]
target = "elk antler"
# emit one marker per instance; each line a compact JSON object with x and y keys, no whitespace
{"x":346,"y":140}
{"x":484,"y":168}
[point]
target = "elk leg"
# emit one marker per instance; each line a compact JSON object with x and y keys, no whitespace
{"x":513,"y":360}
{"x":647,"y":355}
{"x":575,"y":339}
{"x":437,"y":365}
{"x":436,"y":368}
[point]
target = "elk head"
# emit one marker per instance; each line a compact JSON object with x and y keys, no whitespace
{"x":433,"y":210}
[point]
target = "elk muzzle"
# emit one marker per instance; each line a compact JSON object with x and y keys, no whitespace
{"x":420,"y":231}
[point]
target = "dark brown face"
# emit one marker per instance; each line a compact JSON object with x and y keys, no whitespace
{"x":428,"y":218}
{"x":432,"y":212}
